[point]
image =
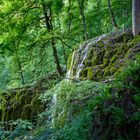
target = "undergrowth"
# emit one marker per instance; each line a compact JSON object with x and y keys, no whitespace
{"x":88,"y":110}
{"x":99,"y":111}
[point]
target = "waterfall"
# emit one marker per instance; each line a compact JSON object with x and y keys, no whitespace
{"x":54,"y":99}
{"x":71,"y":64}
{"x":81,"y":65}
{"x":79,"y":56}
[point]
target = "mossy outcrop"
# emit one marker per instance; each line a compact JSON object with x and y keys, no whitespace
{"x":23,"y":103}
{"x":104,"y":56}
{"x":20,"y":103}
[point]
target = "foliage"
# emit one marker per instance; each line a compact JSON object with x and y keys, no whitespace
{"x":36,"y":37}
{"x":70,"y":113}
{"x":120,"y":112}
{"x":89,"y":110}
{"x":21,"y":127}
{"x":26,"y":43}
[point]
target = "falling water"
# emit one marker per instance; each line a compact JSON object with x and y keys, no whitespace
{"x":85,"y":52}
{"x":81,"y":65}
{"x":82,"y":54}
{"x":54,"y":99}
{"x":72,"y":61}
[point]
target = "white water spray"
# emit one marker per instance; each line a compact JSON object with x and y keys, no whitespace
{"x":71,"y":64}
{"x":82,"y":55}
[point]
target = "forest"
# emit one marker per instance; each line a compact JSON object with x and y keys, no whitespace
{"x":69,"y":70}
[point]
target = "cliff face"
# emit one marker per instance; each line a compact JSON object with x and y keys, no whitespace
{"x":103,"y":57}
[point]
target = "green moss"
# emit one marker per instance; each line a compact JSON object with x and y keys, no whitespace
{"x":113,"y":70}
{"x":135,"y":40}
{"x":89,"y":74}
{"x":94,"y":72}
{"x":106,"y":62}
{"x":106,"y":72}
{"x":3,"y":114}
{"x":84,"y":73}
{"x":105,"y":57}
{"x":88,"y":63}
{"x":69,"y":61}
{"x":90,"y":54}
{"x":20,"y":104}
{"x":100,"y":43}
{"x":113,"y":59}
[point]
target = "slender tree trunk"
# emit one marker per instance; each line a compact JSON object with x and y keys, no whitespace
{"x":47,"y":20}
{"x":20,"y":70}
{"x":99,"y":21}
{"x":81,"y":8}
{"x":69,"y":15}
{"x":124,"y":15}
{"x":112,"y":15}
{"x":64,"y":53}
{"x":56,"y":60}
{"x":136,"y":16}
{"x":21,"y":75}
{"x":50,"y":28}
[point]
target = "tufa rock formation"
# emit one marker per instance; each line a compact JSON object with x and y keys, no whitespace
{"x":103,"y":57}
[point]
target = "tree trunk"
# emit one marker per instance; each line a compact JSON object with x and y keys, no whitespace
{"x":69,"y":16}
{"x":81,"y":8}
{"x":136,"y":16}
{"x":112,"y":15}
{"x":99,"y":21}
{"x":64,"y":53}
{"x":20,"y":69}
{"x":56,"y":60}
{"x":47,"y":20}
{"x":50,"y":28}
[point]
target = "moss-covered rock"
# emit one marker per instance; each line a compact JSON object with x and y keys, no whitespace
{"x":24,"y":103}
{"x":104,"y":56}
{"x":20,"y":103}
